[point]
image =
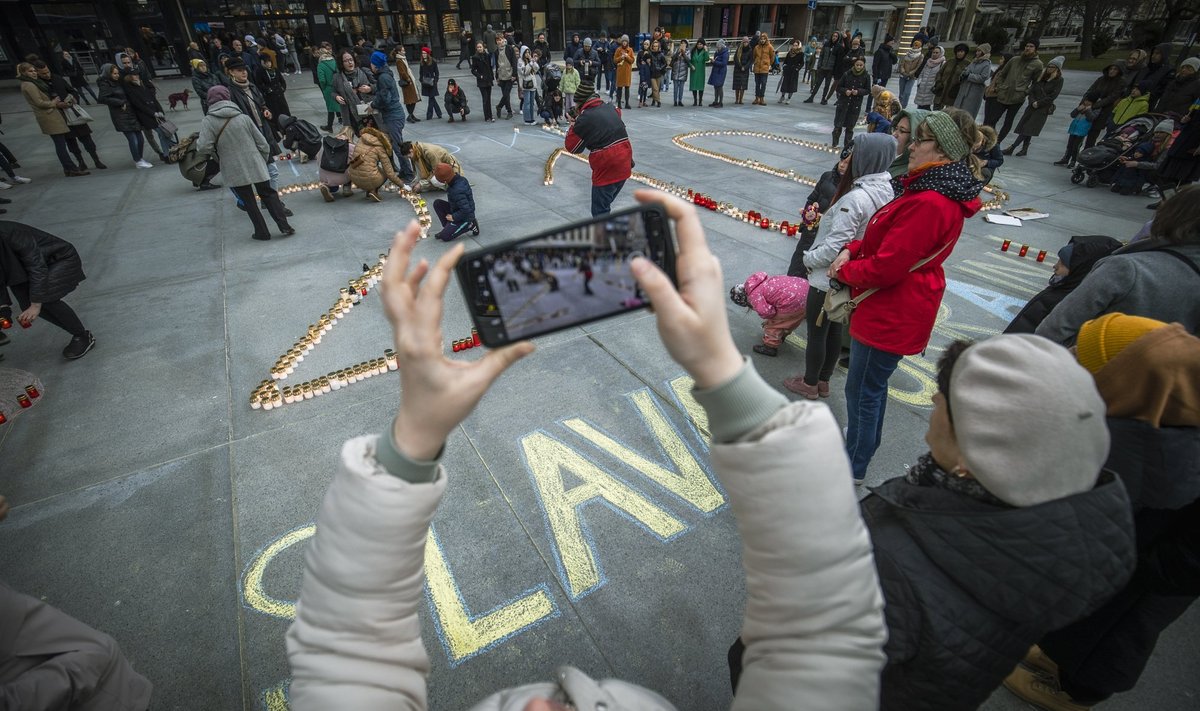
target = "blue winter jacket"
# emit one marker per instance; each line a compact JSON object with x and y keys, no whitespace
{"x":462,"y":200}
{"x":388,"y":100}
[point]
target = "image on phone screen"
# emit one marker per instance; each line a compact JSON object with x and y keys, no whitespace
{"x":565,"y":277}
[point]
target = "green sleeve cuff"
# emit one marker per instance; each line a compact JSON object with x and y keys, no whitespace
{"x":397,"y":464}
{"x":740,"y":405}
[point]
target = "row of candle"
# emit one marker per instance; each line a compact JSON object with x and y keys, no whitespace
{"x":25,"y":400}
{"x":1023,"y":250}
{"x":462,"y":344}
{"x":269,"y":395}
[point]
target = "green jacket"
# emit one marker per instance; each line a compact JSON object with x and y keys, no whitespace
{"x":569,"y":83}
{"x":1015,"y":77}
{"x":326,"y":71}
{"x":699,"y":61}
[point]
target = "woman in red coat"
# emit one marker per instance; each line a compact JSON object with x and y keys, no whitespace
{"x":923,"y":222}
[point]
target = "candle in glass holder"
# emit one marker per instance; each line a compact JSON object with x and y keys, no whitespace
{"x":32,"y":391}
{"x":24,"y":401}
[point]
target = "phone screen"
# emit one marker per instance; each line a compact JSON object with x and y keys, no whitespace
{"x":564,"y":277}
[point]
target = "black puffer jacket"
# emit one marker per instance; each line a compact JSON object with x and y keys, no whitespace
{"x":969,"y":586}
{"x":1088,"y":249}
{"x":112,"y":95}
{"x":1160,"y":466}
{"x":49,"y":265}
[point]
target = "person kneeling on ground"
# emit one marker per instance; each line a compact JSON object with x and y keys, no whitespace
{"x":425,"y":158}
{"x":780,"y":301}
{"x":40,"y":269}
{"x":371,"y":165}
{"x":300,"y":135}
{"x":458,"y":213}
{"x":356,"y":640}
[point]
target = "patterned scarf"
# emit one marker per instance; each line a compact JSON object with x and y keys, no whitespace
{"x":954,"y":180}
{"x":926,"y":472}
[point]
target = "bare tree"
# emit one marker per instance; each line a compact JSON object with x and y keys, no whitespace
{"x":1095,"y":13}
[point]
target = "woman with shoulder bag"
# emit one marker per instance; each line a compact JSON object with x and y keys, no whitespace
{"x":429,"y":84}
{"x":865,"y":187}
{"x":408,"y":85}
{"x":898,"y":265}
{"x":48,"y":114}
{"x":352,"y":86}
{"x":76,"y":117}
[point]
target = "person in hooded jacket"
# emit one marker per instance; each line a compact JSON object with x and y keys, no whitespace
{"x":1148,"y":373}
{"x":1181,"y":90}
{"x":1135,"y":68}
{"x":371,"y":165}
{"x":1158,"y":69}
{"x":1141,"y":279}
{"x":124,"y":120}
{"x":239,"y":145}
{"x":1041,"y":98}
{"x":1107,"y":91}
{"x":40,"y":269}
{"x":865,"y":187}
{"x":818,"y":200}
{"x":1075,"y":261}
{"x":356,"y":641}
{"x":921,"y":227}
{"x":457,"y":211}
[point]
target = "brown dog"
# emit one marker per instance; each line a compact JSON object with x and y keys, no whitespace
{"x":180,"y":98}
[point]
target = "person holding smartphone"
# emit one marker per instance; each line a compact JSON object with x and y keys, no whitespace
{"x":597,"y":128}
{"x":355,"y":642}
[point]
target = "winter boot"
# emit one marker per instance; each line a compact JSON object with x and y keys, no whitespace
{"x":837,"y":136}
{"x":1009,"y":151}
{"x":96,"y":160}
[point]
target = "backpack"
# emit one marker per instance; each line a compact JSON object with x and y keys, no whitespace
{"x":306,"y":135}
{"x":335,"y":154}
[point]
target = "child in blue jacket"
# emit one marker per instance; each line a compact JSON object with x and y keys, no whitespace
{"x":1081,"y":123}
{"x":457,"y":213}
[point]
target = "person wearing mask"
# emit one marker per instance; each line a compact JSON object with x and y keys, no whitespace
{"x":202,"y":81}
{"x":921,"y":227}
{"x":1042,"y":95}
{"x":49,"y":115}
{"x":743,"y":60}
{"x":864,"y":188}
{"x":389,"y":487}
{"x":974,"y":79}
{"x":485,"y":77}
{"x":927,"y":78}
{"x":949,"y":79}
{"x":793,"y":65}
{"x":1148,"y":373}
{"x":881,"y":64}
{"x":1181,"y":90}
{"x":598,"y":129}
{"x":1011,"y":85}
{"x":716,"y":78}
{"x":70,"y":68}
{"x":40,"y":270}
{"x":1141,"y":279}
{"x":852,"y":87}
{"x":764,"y":57}
{"x":1075,"y":261}
{"x":124,"y":120}
{"x":507,"y":72}
{"x":354,"y":86}
{"x":624,"y":58}
{"x":232,"y":137}
{"x":911,"y":65}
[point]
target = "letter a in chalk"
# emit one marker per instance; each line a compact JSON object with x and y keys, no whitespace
{"x":547,"y":458}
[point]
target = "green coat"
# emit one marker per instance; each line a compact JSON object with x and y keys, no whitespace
{"x":326,"y":71}
{"x":699,"y":63}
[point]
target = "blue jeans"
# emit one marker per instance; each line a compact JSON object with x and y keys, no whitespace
{"x":603,"y":196}
{"x":529,"y":105}
{"x":137,"y":143}
{"x":906,"y":86}
{"x":866,"y":402}
{"x":610,"y":76}
{"x":679,"y":87}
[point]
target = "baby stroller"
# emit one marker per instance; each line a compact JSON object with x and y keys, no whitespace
{"x":1099,"y":163}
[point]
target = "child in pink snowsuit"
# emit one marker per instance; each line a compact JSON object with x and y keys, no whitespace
{"x":781,"y":301}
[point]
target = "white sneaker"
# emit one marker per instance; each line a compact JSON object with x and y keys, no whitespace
{"x":4,"y":185}
{"x":22,"y":181}
{"x":144,"y":164}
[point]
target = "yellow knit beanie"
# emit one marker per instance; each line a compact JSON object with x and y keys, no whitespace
{"x":1101,"y":339}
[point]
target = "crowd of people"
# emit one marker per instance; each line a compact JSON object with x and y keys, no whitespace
{"x":1043,"y":541}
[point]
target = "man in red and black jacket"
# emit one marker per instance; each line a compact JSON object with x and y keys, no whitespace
{"x":598,"y":128}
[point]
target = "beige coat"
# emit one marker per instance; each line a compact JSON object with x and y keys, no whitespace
{"x":48,"y":116}
{"x":813,"y":626}
{"x":371,"y":165}
{"x":426,"y":156}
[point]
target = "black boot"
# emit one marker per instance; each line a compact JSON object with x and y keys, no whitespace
{"x":700,"y":98}
{"x":96,"y":160}
{"x":837,"y":136}
{"x":1062,"y":161}
{"x":1024,"y":148}
{"x":79,"y":160}
{"x":1009,"y":151}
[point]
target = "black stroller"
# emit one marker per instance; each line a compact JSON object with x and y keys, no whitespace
{"x":1099,"y":163}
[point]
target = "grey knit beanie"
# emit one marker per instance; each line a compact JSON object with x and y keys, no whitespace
{"x":1028,"y":419}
